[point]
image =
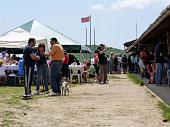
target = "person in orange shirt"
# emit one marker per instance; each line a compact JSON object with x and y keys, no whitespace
{"x":57,"y":56}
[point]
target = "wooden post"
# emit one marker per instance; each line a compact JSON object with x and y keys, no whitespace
{"x":168,"y":42}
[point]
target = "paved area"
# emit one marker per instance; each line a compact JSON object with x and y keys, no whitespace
{"x":162,"y":91}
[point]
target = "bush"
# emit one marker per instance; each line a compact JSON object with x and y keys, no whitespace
{"x":135,"y":79}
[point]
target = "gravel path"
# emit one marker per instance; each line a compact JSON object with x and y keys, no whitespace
{"x":117,"y":104}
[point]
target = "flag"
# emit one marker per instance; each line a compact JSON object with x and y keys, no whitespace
{"x":85,"y":19}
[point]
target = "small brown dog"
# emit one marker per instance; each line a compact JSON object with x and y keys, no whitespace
{"x":65,"y":88}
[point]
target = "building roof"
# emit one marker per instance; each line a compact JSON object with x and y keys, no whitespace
{"x":129,"y":43}
{"x":158,"y":28}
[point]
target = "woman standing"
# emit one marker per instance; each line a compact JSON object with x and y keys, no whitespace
{"x":42,"y":68}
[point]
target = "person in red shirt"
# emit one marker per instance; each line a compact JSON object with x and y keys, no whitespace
{"x":96,"y":62}
{"x":65,"y":69}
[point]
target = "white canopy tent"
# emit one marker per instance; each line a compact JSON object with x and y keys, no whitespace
{"x":36,"y":28}
{"x":18,"y":39}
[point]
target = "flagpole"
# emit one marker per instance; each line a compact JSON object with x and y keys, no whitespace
{"x":86,"y":42}
{"x":94,"y":36}
{"x":136,"y":29}
{"x":90,"y":36}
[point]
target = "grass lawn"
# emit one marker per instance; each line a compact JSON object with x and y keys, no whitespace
{"x":135,"y":79}
{"x":165,"y":111}
{"x":10,"y":100}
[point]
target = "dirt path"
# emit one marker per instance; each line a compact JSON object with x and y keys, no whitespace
{"x":118,"y":104}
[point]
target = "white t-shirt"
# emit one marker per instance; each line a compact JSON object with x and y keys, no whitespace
{"x":3,"y":56}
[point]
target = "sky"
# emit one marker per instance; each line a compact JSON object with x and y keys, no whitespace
{"x":114,"y":20}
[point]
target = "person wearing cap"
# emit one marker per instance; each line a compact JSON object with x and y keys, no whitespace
{"x":57,"y":56}
{"x":102,"y":65}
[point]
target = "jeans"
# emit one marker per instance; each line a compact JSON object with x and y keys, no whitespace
{"x":136,"y":66}
{"x":42,"y":73}
{"x":159,"y":72}
{"x":56,"y":67}
{"x":168,"y":73}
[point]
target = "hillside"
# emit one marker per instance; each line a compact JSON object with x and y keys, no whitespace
{"x":84,"y":55}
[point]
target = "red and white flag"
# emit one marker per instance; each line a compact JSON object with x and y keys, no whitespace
{"x":86,"y":19}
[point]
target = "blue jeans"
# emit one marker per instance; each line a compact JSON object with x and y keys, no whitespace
{"x":42,"y":73}
{"x":159,"y":72}
{"x":56,"y":67}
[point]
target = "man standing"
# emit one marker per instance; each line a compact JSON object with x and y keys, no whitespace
{"x":102,"y":65}
{"x":57,"y":56}
{"x":29,"y":62}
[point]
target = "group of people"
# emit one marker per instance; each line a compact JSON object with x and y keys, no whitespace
{"x":153,"y":63}
{"x":40,"y":59}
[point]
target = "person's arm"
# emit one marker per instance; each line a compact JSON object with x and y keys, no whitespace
{"x":101,"y":52}
{"x":34,"y":57}
{"x":50,"y":53}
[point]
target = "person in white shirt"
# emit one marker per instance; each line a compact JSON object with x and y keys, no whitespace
{"x":3,"y":55}
{"x":3,"y":76}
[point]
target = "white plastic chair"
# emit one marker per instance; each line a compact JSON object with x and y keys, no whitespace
{"x":74,"y":72}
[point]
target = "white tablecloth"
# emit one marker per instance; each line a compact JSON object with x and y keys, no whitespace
{"x":11,"y":67}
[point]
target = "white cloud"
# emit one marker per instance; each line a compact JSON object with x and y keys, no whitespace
{"x":98,"y":7}
{"x":136,"y":4}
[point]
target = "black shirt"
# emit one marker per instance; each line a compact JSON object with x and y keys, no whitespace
{"x":160,"y":59}
{"x":42,"y":60}
{"x":28,"y":61}
{"x":102,"y":59}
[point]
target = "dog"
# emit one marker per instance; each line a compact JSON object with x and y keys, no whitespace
{"x":65,"y":88}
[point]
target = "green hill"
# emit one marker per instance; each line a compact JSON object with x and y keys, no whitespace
{"x":83,"y":56}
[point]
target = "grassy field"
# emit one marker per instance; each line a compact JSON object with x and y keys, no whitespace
{"x":10,"y":100}
{"x":13,"y":105}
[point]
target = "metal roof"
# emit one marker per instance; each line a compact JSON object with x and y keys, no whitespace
{"x":159,"y":27}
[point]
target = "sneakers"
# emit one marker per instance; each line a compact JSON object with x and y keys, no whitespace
{"x":105,"y":83}
{"x":47,"y":92}
{"x":102,"y":83}
{"x":36,"y":93}
{"x":54,"y":94}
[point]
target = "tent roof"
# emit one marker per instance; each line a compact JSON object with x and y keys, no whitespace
{"x":39,"y":29}
{"x":18,"y":38}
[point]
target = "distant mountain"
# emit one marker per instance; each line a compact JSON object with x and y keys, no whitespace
{"x":83,"y":56}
